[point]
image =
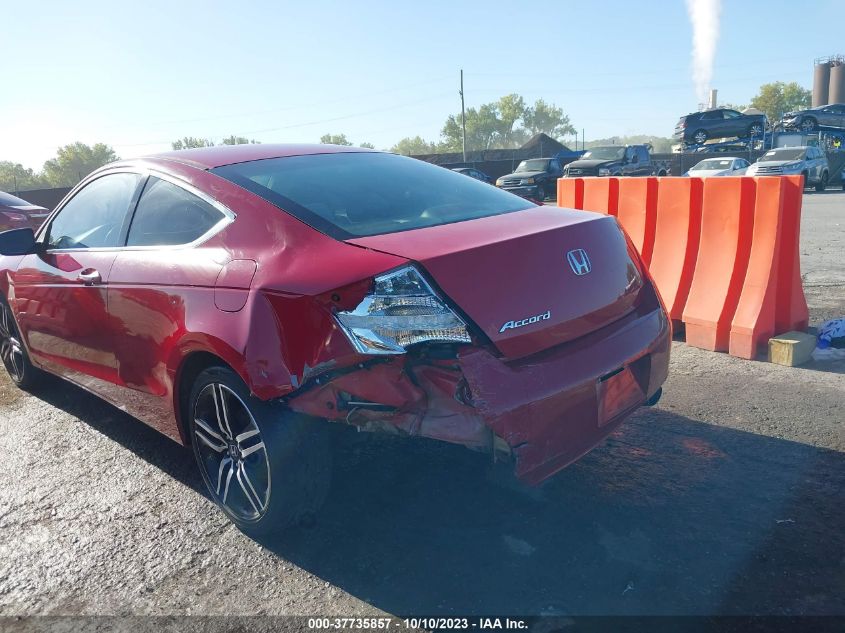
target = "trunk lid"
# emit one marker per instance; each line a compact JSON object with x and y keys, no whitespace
{"x":516,"y":275}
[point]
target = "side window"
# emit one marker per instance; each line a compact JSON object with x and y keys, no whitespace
{"x":167,"y":215}
{"x":731,"y":114}
{"x":94,"y":217}
{"x":711,"y":116}
{"x":643,"y":154}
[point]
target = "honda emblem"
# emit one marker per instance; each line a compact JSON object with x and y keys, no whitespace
{"x":579,"y":261}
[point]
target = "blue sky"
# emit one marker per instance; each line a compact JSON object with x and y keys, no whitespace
{"x":139,"y":75}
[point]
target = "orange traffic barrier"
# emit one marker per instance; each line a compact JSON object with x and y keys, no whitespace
{"x":723,"y":252}
{"x":676,"y":235}
{"x":570,"y":193}
{"x":636,"y":210}
{"x":727,"y":220}
{"x":601,"y":194}
{"x":753,"y":323}
{"x":791,"y":305}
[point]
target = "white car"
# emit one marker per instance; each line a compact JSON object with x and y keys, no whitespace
{"x":728,"y":166}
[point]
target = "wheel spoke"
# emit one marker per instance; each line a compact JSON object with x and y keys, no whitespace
{"x":228,"y":481}
{"x":218,"y":448}
{"x":249,"y":490}
{"x":246,"y":453}
{"x":226,"y":461}
{"x":246,"y":435}
{"x":222,"y":411}
{"x":207,"y":428}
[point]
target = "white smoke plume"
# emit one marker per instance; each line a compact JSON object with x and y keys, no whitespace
{"x":704,"y":15}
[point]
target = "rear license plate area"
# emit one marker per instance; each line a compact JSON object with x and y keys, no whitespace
{"x":617,"y":392}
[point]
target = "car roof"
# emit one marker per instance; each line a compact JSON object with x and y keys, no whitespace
{"x":219,"y":155}
{"x":721,"y":158}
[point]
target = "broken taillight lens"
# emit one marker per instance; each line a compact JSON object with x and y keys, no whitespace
{"x":401,"y":310}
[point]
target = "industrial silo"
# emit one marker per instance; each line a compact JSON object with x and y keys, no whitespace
{"x":821,"y":82}
{"x":836,"y":93}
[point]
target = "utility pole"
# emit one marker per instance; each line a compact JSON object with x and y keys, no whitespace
{"x":463,"y":118}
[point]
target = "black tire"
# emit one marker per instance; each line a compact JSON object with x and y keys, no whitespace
{"x":541,"y":193}
{"x":273,"y":467}
{"x":699,"y":137}
{"x":821,"y":185}
{"x":13,"y":352}
{"x":806,"y":178}
{"x":808,"y":124}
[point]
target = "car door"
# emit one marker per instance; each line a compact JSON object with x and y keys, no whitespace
{"x":837,"y":116}
{"x":161,"y":282}
{"x":60,"y":292}
{"x":733,"y":123}
{"x":711,"y":122}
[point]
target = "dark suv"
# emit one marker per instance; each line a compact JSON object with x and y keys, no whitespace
{"x":698,"y":127}
{"x":533,"y":178}
{"x":831,"y":116}
{"x":615,"y":160}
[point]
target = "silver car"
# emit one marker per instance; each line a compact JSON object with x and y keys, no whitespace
{"x":727,"y":166}
{"x":809,"y":162}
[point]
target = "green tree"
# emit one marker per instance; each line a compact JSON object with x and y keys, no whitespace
{"x":190,"y":142}
{"x":16,"y":177}
{"x":510,"y":109}
{"x":367,"y":145}
{"x":74,"y":161}
{"x":335,"y":139}
{"x":777,"y":98}
{"x":414,"y":146}
{"x":238,"y":140}
{"x":548,"y":119}
{"x":482,"y":129}
{"x":660,"y":144}
{"x":496,"y":125}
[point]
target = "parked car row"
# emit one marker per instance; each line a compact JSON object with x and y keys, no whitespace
{"x":810,"y":162}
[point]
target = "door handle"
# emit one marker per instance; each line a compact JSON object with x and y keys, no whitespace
{"x":90,"y":277}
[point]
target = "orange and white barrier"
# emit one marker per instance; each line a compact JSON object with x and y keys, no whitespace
{"x":723,"y":252}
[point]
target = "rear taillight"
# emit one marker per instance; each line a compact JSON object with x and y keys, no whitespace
{"x":401,"y":310}
{"x":14,"y":217}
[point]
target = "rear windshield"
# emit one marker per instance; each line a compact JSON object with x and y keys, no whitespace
{"x":8,"y":200}
{"x":353,"y":194}
{"x":714,"y":164}
{"x":532,"y":165}
{"x":784,"y":154}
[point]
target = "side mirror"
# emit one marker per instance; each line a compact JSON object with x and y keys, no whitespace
{"x":634,"y":159}
{"x":17,"y":242}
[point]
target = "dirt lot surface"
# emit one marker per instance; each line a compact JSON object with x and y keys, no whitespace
{"x":726,"y":498}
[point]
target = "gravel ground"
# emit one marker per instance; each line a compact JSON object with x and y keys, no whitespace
{"x":724,"y":499}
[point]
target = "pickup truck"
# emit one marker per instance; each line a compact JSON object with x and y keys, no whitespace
{"x":615,"y":160}
{"x":533,"y":178}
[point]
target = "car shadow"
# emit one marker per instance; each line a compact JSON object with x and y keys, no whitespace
{"x":155,"y":448}
{"x":670,"y":516}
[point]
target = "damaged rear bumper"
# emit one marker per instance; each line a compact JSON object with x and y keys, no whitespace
{"x":546,"y":410}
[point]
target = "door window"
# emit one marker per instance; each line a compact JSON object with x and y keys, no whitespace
{"x":168,"y":215}
{"x":732,"y":114}
{"x":94,"y":217}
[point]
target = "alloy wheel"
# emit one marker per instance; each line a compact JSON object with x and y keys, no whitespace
{"x":700,"y":137}
{"x":231,"y":452}
{"x":11,"y":350}
{"x":808,"y":125}
{"x":756,"y":130}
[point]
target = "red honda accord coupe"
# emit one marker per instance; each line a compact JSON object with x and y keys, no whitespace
{"x":235,"y":298}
